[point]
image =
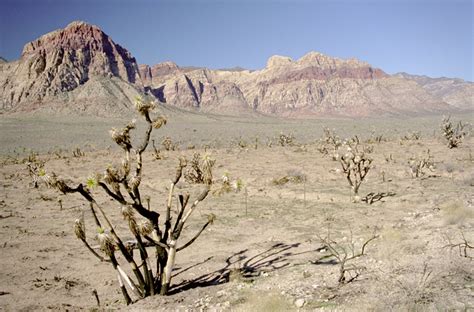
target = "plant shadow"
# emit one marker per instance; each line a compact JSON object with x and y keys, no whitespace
{"x":240,"y":263}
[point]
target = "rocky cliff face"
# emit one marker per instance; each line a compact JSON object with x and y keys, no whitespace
{"x":454,"y":91}
{"x":60,"y":62}
{"x":315,"y":84}
{"x":80,"y":68}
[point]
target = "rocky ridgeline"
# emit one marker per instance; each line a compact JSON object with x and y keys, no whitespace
{"x":80,"y":68}
{"x":58,"y":64}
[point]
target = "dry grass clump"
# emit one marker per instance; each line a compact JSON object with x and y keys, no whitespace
{"x":456,"y":212}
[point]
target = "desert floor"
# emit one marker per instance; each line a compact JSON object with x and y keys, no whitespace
{"x":263,"y":251}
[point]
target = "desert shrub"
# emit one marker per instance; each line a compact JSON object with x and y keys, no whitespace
{"x":228,"y":185}
{"x":286,"y":139}
{"x":456,"y":212}
{"x":463,"y":246}
{"x":330,"y":144}
{"x":375,"y":138}
{"x":152,"y":275}
{"x":355,"y":166}
{"x":168,"y":144}
{"x":36,"y":171}
{"x":411,"y":136}
{"x":375,"y":197}
{"x":345,"y":253}
{"x":77,"y":152}
{"x":453,"y":135}
{"x":196,"y":174}
{"x":156,"y":152}
{"x":293,"y":176}
{"x":419,"y":165}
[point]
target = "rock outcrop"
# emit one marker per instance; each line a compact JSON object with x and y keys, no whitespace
{"x":314,"y":85}
{"x":62,"y":61}
{"x":80,"y":68}
{"x":454,"y":91}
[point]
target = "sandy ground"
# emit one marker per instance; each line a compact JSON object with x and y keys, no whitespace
{"x":261,"y":253}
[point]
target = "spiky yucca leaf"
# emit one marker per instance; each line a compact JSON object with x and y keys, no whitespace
{"x":80,"y":228}
{"x":106,"y":242}
{"x":145,"y":227}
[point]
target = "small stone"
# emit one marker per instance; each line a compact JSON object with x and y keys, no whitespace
{"x":299,"y":303}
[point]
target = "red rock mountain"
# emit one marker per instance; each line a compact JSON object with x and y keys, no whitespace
{"x":80,"y":68}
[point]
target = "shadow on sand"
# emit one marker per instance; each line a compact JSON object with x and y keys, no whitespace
{"x":241,"y":263}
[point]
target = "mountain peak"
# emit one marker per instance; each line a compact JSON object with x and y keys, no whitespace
{"x":278,"y":60}
{"x":66,"y":59}
{"x":79,"y":24}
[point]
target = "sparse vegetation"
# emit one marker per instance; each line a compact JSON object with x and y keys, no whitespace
{"x":355,"y":166}
{"x":122,"y":184}
{"x":293,"y":176}
{"x":344,"y":253}
{"x":196,"y":174}
{"x":257,"y":194}
{"x":168,"y":144}
{"x":453,"y":135}
{"x":286,"y":139}
{"x":419,"y":165}
{"x":462,"y":246}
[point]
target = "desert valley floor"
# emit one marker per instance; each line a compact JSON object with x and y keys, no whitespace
{"x":263,"y":252}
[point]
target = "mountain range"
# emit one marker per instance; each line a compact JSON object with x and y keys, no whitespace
{"x":80,"y":69}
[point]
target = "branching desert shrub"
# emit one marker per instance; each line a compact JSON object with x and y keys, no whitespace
{"x":453,"y":135}
{"x":375,"y":197}
{"x":286,"y":139}
{"x":168,"y":144}
{"x":462,"y":246}
{"x":36,"y":171}
{"x":227,"y":185}
{"x":419,"y":165}
{"x":152,"y":273}
{"x":345,"y":253}
{"x":411,"y":136}
{"x":196,"y":174}
{"x":355,"y":166}
{"x":330,"y":144}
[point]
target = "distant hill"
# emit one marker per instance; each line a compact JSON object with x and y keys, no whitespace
{"x":454,"y":91}
{"x":81,"y":69}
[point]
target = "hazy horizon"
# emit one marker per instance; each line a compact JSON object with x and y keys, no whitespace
{"x":422,"y":37}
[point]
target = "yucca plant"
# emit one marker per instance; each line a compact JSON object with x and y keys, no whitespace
{"x":453,"y":134}
{"x":151,"y":273}
{"x":355,"y":166}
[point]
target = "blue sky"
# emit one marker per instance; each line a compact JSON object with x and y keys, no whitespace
{"x":434,"y":37}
